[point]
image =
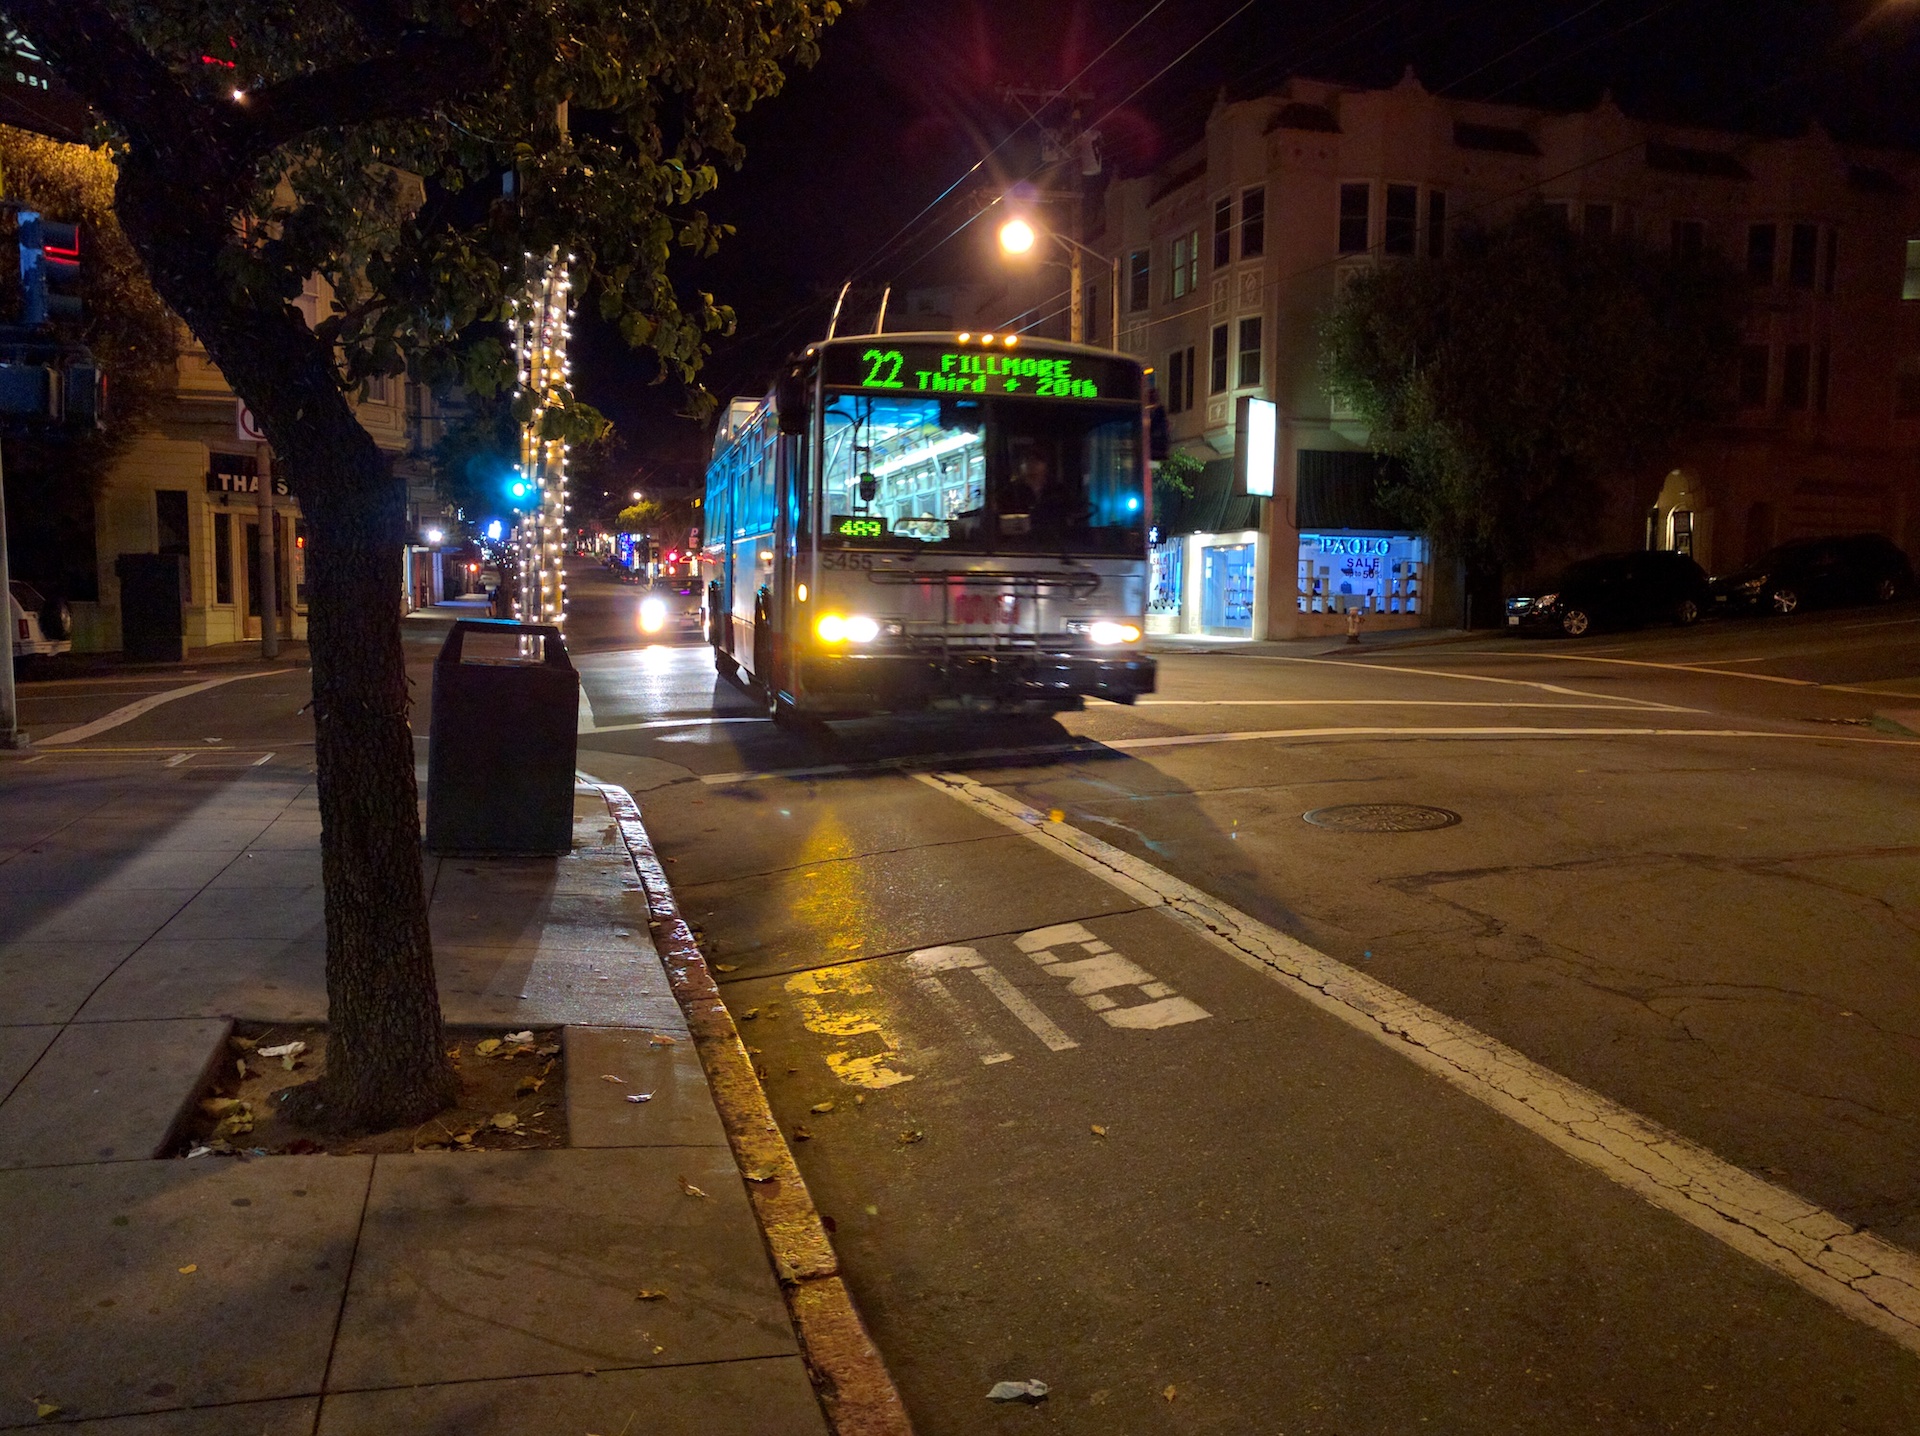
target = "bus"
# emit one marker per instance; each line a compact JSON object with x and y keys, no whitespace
{"x":922,"y":520}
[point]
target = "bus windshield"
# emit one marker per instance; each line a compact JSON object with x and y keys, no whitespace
{"x":990,"y":475}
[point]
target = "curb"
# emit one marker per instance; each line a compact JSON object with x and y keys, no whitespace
{"x":855,"y":1389}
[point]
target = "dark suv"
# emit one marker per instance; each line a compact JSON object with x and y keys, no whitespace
{"x":1857,"y":568}
{"x":1614,"y":590}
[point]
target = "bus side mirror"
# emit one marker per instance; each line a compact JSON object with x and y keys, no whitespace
{"x":869,"y":488}
{"x":790,"y":401}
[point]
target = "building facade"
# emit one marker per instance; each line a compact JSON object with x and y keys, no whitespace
{"x":1233,"y":251}
{"x":190,"y":485}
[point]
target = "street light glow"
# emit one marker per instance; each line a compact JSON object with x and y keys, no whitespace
{"x":1017,"y":236}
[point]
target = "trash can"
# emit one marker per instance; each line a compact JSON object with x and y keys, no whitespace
{"x":502,"y":744}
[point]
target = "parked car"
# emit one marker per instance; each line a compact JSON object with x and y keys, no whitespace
{"x":1857,"y":568}
{"x":40,"y":626}
{"x":1615,"y":590}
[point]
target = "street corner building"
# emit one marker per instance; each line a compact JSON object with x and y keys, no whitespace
{"x":1232,"y":251}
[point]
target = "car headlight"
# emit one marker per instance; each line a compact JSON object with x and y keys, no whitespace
{"x":838,"y":628}
{"x":1751,"y":585}
{"x":653,"y":615}
{"x":1106,"y":634}
{"x":1546,"y":600}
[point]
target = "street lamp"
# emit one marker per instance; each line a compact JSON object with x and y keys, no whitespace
{"x":1019,"y":235}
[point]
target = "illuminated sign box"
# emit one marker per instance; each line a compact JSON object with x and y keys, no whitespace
{"x":1020,"y":373}
{"x":1256,"y":446}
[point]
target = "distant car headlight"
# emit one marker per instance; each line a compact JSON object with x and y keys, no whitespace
{"x":653,"y":615}
{"x":1106,"y":634}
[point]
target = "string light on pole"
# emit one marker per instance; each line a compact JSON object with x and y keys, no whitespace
{"x":540,"y":336}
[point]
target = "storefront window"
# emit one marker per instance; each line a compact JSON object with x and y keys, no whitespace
{"x":1226,"y":599}
{"x":1373,"y":572}
{"x":1167,"y":560}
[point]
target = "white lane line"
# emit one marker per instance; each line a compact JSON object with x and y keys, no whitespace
{"x":1869,"y":1279}
{"x":1368,"y":665}
{"x":1188,"y":740}
{"x":1610,"y":706}
{"x":261,"y":761}
{"x":888,"y":765}
{"x":146,"y":705}
{"x":667,"y":723}
{"x":176,"y":760}
{"x":1668,"y":667}
{"x":926,"y":965}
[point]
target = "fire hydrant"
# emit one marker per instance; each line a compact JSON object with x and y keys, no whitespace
{"x":1353,"y":625}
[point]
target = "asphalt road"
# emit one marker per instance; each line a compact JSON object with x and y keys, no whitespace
{"x":1077,"y":1134}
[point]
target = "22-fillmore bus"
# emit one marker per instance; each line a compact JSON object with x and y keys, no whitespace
{"x":917,"y":519}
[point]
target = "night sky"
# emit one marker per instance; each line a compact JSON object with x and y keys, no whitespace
{"x":908,"y":95}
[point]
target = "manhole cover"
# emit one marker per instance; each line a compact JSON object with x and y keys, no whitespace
{"x":1382,"y":818}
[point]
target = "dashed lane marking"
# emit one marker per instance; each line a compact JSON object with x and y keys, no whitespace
{"x":1611,"y":706}
{"x":131,"y":711}
{"x":1869,"y":1279}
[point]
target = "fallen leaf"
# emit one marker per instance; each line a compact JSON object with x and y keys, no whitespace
{"x":801,"y":1134}
{"x":242,"y":1044}
{"x":214,"y":1106}
{"x":45,"y":1409}
{"x":821,"y":1107}
{"x":761,"y":1174}
{"x":1169,"y":1393}
{"x":661,"y":1039}
{"x":859,"y":1099}
{"x":505,"y":1121}
{"x":911,"y":1135}
{"x":240,"y":1067}
{"x":529,"y":1084}
{"x":750,"y":1014}
{"x":647,"y":1294}
{"x":872,"y":1210}
{"x":690,"y":1189}
{"x":486,"y":1046}
{"x":640,"y":1096}
{"x":726,"y":967}
{"x":1098,"y":1130}
{"x":609,"y":1077}
{"x":190,"y":1268}
{"x":548,"y":1050}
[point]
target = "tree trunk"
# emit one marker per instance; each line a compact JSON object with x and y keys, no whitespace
{"x":385,"y":1061}
{"x":386,"y":1065}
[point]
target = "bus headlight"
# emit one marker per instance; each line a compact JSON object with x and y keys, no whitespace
{"x":1107,"y":634}
{"x":838,"y":628}
{"x":653,"y":615}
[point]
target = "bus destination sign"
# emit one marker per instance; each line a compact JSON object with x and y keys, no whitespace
{"x":959,"y":369}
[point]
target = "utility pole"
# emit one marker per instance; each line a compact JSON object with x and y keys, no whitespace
{"x":1070,"y":144}
{"x":269,"y":575}
{"x":10,"y":734}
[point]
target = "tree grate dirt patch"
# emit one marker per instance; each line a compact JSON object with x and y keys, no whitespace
{"x":1382,"y":818}
{"x":512,"y":1097}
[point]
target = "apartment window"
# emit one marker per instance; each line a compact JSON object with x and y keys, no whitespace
{"x":1139,"y":279}
{"x":1355,"y":217}
{"x":1217,"y":361}
{"x":170,"y":526}
{"x":1436,"y":224}
{"x":1796,"y":378}
{"x":1253,"y":222}
{"x":1689,"y":239}
{"x":1185,"y":278}
{"x":1180,"y":368}
{"x":1403,"y":219}
{"x":1561,"y":212}
{"x":1822,"y":378}
{"x":1597,"y":221}
{"x":1803,"y":255}
{"x":1832,"y":276}
{"x":222,"y":557}
{"x":1755,"y":359}
{"x":1762,"y":239}
{"x":1911,"y":289}
{"x":1222,"y":232}
{"x":1249,"y":352}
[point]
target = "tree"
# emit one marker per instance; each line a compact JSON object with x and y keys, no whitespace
{"x":1525,"y":373}
{"x":54,"y":477}
{"x":414,"y":158}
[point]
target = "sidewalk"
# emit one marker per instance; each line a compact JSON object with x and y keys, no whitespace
{"x":1334,"y":645}
{"x":422,"y":1292}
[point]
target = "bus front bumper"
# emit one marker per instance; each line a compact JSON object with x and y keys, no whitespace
{"x":848,"y":680}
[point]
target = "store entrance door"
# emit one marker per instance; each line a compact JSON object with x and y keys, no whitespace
{"x":1226,"y":583}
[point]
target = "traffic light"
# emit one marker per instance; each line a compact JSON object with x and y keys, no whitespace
{"x":49,"y":269}
{"x":518,"y":489}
